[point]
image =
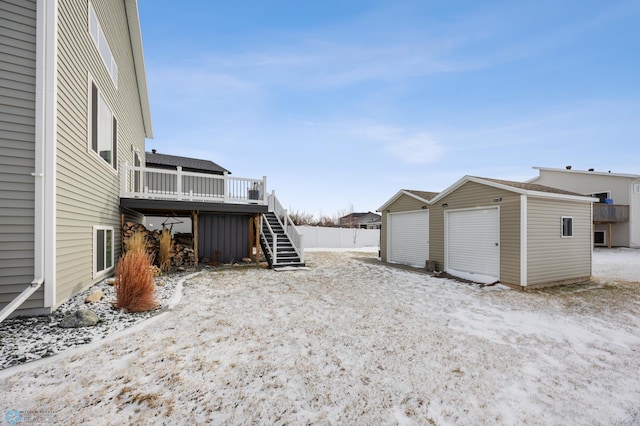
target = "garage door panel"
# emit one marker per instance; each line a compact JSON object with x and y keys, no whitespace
{"x":409,"y":237}
{"x":473,"y":241}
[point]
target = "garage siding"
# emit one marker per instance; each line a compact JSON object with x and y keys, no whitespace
{"x":551,"y":257}
{"x":402,"y":204}
{"x":470,"y":195}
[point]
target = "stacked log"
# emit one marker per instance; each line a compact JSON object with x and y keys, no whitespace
{"x":182,"y":243}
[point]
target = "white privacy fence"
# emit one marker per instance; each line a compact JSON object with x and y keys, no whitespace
{"x":323,"y":237}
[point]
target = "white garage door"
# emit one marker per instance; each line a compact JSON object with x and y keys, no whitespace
{"x":473,"y":241}
{"x":408,"y":237}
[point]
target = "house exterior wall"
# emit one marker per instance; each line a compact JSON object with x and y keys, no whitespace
{"x":621,"y":189}
{"x":474,"y":195}
{"x":17,"y":150}
{"x":550,"y":257}
{"x":404,"y":203}
{"x":87,"y":186}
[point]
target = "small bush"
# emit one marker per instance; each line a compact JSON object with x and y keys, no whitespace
{"x":165,"y":251}
{"x":134,"y":282}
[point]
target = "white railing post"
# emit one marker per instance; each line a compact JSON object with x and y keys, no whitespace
{"x":264,"y":189}
{"x":225,"y":189}
{"x":286,"y":218}
{"x":301,"y":248}
{"x":179,"y":182}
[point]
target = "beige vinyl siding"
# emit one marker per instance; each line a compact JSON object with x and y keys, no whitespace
{"x":404,"y":203}
{"x":88,"y":187}
{"x":472,"y":195}
{"x":551,"y":257}
{"x":17,"y":150}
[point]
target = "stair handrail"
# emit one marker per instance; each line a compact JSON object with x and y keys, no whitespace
{"x":296,"y":238}
{"x":274,"y":239}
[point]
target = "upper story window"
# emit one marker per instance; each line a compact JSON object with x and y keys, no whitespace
{"x":104,"y":128}
{"x":103,"y":47}
{"x":567,"y":226}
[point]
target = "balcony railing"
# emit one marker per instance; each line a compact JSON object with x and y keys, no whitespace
{"x":161,"y":184}
{"x":610,"y":212}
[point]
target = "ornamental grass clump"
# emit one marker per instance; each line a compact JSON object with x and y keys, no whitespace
{"x":165,"y":251}
{"x":134,"y":277}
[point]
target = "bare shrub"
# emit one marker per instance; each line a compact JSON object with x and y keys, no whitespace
{"x":134,"y":282}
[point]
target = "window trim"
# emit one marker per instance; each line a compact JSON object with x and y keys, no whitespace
{"x":94,"y":250}
{"x":562,"y":226}
{"x":109,"y":62}
{"x":92,"y":124}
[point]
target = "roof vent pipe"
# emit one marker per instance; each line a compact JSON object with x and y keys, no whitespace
{"x":568,"y":167}
{"x":153,"y":151}
{"x":591,"y":170}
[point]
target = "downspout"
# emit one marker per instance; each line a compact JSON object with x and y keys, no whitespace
{"x":44,"y":161}
{"x":15,"y":303}
{"x":524,"y":242}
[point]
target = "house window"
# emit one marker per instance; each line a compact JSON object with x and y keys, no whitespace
{"x":599,"y":238}
{"x":97,"y":35}
{"x":102,"y":249}
{"x":636,"y":188}
{"x":104,"y":128}
{"x":567,"y":226}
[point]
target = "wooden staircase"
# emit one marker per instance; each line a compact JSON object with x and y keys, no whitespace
{"x":283,"y":253}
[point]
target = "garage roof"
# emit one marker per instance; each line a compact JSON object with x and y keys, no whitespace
{"x":528,"y":189}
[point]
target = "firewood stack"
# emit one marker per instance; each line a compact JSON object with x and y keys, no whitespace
{"x":183,"y":252}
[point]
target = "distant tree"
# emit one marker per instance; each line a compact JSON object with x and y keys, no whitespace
{"x":327,"y":221}
{"x":301,"y":217}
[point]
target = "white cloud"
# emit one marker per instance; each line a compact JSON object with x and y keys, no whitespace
{"x":419,"y":148}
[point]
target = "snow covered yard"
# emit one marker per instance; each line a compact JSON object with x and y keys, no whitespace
{"x":353,"y":342}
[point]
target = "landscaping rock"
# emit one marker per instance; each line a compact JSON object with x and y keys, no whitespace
{"x":110,"y":281}
{"x":80,"y":318}
{"x":94,"y":297}
{"x":246,"y":260}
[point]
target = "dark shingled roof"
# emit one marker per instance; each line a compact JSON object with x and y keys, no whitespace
{"x":531,"y":186}
{"x":189,"y":164}
{"x":422,"y":194}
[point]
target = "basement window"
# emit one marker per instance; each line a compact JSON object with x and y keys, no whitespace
{"x":567,"y":227}
{"x":102,"y":250}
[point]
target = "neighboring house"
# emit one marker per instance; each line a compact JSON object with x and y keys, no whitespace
{"x":73,"y":110}
{"x":616,"y":214}
{"x":368,"y":220}
{"x":523,"y":235}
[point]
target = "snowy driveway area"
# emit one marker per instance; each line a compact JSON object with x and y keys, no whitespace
{"x":350,"y":341}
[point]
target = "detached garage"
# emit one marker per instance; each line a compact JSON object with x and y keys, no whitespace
{"x":520,"y":234}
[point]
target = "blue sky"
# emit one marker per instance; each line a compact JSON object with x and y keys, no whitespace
{"x":342,"y":103}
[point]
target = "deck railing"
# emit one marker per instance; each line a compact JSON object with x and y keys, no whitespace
{"x":296,"y":238}
{"x":161,"y":184}
{"x":610,"y":212}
